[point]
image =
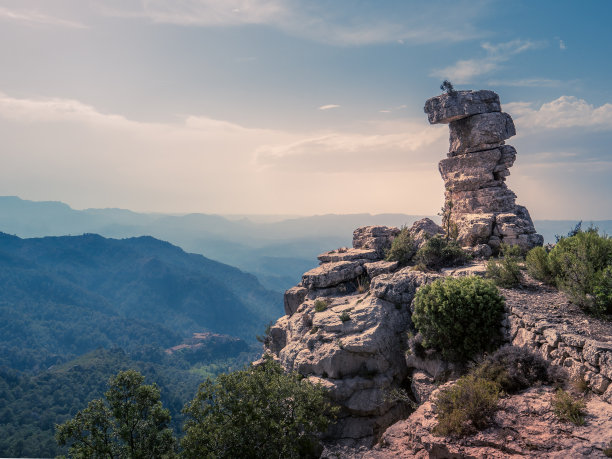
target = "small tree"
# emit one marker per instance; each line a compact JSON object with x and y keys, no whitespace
{"x":257,"y":412}
{"x":447,"y":87}
{"x":132,"y":423}
{"x":451,"y":231}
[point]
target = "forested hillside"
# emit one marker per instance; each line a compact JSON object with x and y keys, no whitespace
{"x":74,"y":310}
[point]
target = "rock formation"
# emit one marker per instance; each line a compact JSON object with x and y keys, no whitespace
{"x":346,"y":328}
{"x":480,"y":204}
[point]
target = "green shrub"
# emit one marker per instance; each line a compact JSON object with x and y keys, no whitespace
{"x":439,"y":253}
{"x":320,"y":305}
{"x":514,"y":369}
{"x":567,"y":408}
{"x":261,"y":411}
{"x":578,"y":263}
{"x":402,"y":248}
{"x":505,"y":272}
{"x":459,"y":316}
{"x":466,"y":406}
{"x":538,"y":265}
{"x":344,"y":317}
{"x":602,"y":292}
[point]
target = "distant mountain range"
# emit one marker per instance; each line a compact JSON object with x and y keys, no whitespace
{"x":277,"y":250}
{"x":63,"y":296}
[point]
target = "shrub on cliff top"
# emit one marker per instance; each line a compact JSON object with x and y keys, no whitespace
{"x":439,"y":253}
{"x":459,"y":316}
{"x":505,"y":271}
{"x":580,"y":264}
{"x":538,"y":266}
{"x":466,"y":406}
{"x":402,"y":248}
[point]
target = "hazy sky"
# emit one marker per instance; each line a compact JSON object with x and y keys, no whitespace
{"x":296,"y":107}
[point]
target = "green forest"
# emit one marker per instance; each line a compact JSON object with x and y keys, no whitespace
{"x":75,"y":310}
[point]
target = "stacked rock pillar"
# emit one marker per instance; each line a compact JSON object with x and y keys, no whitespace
{"x":483,"y":207}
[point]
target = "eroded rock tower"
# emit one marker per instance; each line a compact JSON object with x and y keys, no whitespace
{"x":477,"y":199}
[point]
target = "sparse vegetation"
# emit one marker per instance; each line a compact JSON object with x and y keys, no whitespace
{"x":579,"y":264}
{"x":345,"y":316}
{"x":459,"y":316}
{"x":363,"y":284}
{"x":505,"y":271}
{"x":447,"y":87}
{"x":568,"y":408}
{"x":466,"y":406}
{"x":320,"y":305}
{"x":515,"y":369}
{"x":451,"y":232}
{"x":439,"y":253}
{"x":402,"y":248}
{"x":538,"y":266}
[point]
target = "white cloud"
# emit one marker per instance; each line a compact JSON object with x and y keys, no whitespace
{"x":37,"y":18}
{"x":331,"y":23}
{"x":564,"y":112}
{"x":562,"y":45}
{"x":68,"y":150}
{"x":328,"y":107}
{"x":528,"y":82}
{"x":464,"y":71}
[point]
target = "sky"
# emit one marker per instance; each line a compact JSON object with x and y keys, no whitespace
{"x":296,"y":107}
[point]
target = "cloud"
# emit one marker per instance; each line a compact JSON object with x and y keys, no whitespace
{"x":564,"y":112}
{"x":464,"y":71}
{"x":328,"y":107}
{"x":528,"y":82}
{"x":37,"y":18}
{"x":68,"y":150}
{"x":336,"y":23}
{"x":562,"y":45}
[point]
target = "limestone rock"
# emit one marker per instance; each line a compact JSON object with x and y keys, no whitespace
{"x":348,"y":255}
{"x":376,"y":238}
{"x":400,"y":287}
{"x":480,"y":132}
{"x":471,"y":171}
{"x":422,"y":386}
{"x":293,"y":298}
{"x":486,"y":200}
{"x":424,"y":229}
{"x":359,"y":360}
{"x":330,"y":274}
{"x":460,"y":104}
{"x":474,"y":229}
{"x":380,"y":267}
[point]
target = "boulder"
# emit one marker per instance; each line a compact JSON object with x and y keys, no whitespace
{"x":496,"y":199}
{"x":377,"y":268}
{"x":474,"y":229}
{"x":470,"y":171}
{"x":424,"y":229}
{"x":400,"y":287}
{"x":329,"y":274}
{"x":460,"y":104}
{"x":344,"y":254}
{"x":293,"y":298}
{"x":480,"y":132}
{"x":378,"y":238}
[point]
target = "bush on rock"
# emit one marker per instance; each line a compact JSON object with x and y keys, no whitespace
{"x":459,"y":316}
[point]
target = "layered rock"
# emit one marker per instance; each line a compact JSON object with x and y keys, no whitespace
{"x":346,"y":328}
{"x":484,"y":209}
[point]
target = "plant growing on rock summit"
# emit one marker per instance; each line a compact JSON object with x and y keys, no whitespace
{"x":460,"y":317}
{"x":402,"y":248}
{"x":439,"y":253}
{"x":506,"y":272}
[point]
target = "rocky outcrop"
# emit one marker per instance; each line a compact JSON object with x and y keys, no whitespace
{"x":483,"y":209}
{"x":346,"y":328}
{"x":524,"y":426}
